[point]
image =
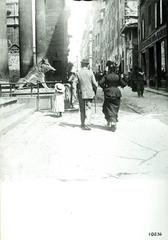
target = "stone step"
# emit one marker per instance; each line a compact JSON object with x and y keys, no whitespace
{"x":4,"y":101}
{"x":27,"y":92}
{"x":11,"y":109}
{"x":10,"y":122}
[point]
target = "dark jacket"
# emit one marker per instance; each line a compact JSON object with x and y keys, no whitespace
{"x":138,"y":77}
{"x":110,"y":84}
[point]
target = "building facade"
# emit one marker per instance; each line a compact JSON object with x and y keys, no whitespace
{"x":3,"y":42}
{"x":129,"y":32}
{"x":153,"y":50}
{"x":30,"y":30}
{"x":12,"y":22}
{"x":98,"y":51}
{"x":107,"y":41}
{"x":43,"y":33}
{"x":115,"y":34}
{"x":13,"y":39}
{"x":86,"y":49}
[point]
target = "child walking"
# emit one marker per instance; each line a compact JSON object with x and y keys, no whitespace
{"x":58,"y":107}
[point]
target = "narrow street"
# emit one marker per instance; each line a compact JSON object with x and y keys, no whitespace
{"x":46,"y":146}
{"x":59,"y":182}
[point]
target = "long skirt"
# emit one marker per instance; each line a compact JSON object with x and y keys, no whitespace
{"x":111,"y":108}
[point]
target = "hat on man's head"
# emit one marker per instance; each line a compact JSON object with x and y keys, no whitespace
{"x":59,"y":87}
{"x":85,"y":61}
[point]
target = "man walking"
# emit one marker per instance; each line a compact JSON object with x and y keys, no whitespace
{"x":138,"y":80}
{"x":86,"y":88}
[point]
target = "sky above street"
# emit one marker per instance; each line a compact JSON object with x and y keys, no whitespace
{"x":76,"y":26}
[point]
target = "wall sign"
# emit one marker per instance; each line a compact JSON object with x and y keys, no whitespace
{"x":156,"y":36}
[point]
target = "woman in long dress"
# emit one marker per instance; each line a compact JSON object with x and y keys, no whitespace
{"x":112,"y":96}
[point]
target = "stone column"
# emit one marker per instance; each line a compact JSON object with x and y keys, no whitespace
{"x":41,"y":45}
{"x":25,"y":36}
{"x":3,"y":42}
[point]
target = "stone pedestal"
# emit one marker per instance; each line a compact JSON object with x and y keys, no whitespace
{"x":25,"y":36}
{"x":41,"y":44}
{"x":4,"y":72}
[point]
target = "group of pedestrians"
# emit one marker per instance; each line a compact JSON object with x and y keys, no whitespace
{"x":84,"y":86}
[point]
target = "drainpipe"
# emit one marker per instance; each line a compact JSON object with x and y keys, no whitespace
{"x":34,"y":32}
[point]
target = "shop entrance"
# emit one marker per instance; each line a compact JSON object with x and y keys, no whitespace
{"x":162,"y":65}
{"x":158,"y":60}
{"x":152,"y":82}
{"x":143,"y":63}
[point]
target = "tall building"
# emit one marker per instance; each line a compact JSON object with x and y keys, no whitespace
{"x":86,"y":45}
{"x":115,"y":34}
{"x":153,"y":50}
{"x":107,"y":41}
{"x":129,"y":32}
{"x":99,"y":50}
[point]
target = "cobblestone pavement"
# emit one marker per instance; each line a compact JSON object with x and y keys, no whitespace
{"x":151,"y":103}
{"x":59,"y":182}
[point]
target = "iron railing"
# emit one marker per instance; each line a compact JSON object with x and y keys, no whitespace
{"x":11,"y":89}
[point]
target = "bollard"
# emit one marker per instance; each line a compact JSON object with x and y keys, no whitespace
{"x":31,"y":88}
{"x":10,"y":94}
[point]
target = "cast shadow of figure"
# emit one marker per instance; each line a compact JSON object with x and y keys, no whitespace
{"x":100,"y":127}
{"x":65,"y":124}
{"x":93,"y":126}
{"x":52,"y":115}
{"x":74,"y":125}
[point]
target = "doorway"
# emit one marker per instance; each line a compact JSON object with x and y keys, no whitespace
{"x":152,"y":82}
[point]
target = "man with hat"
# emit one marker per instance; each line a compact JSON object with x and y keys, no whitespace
{"x":86,"y":89}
